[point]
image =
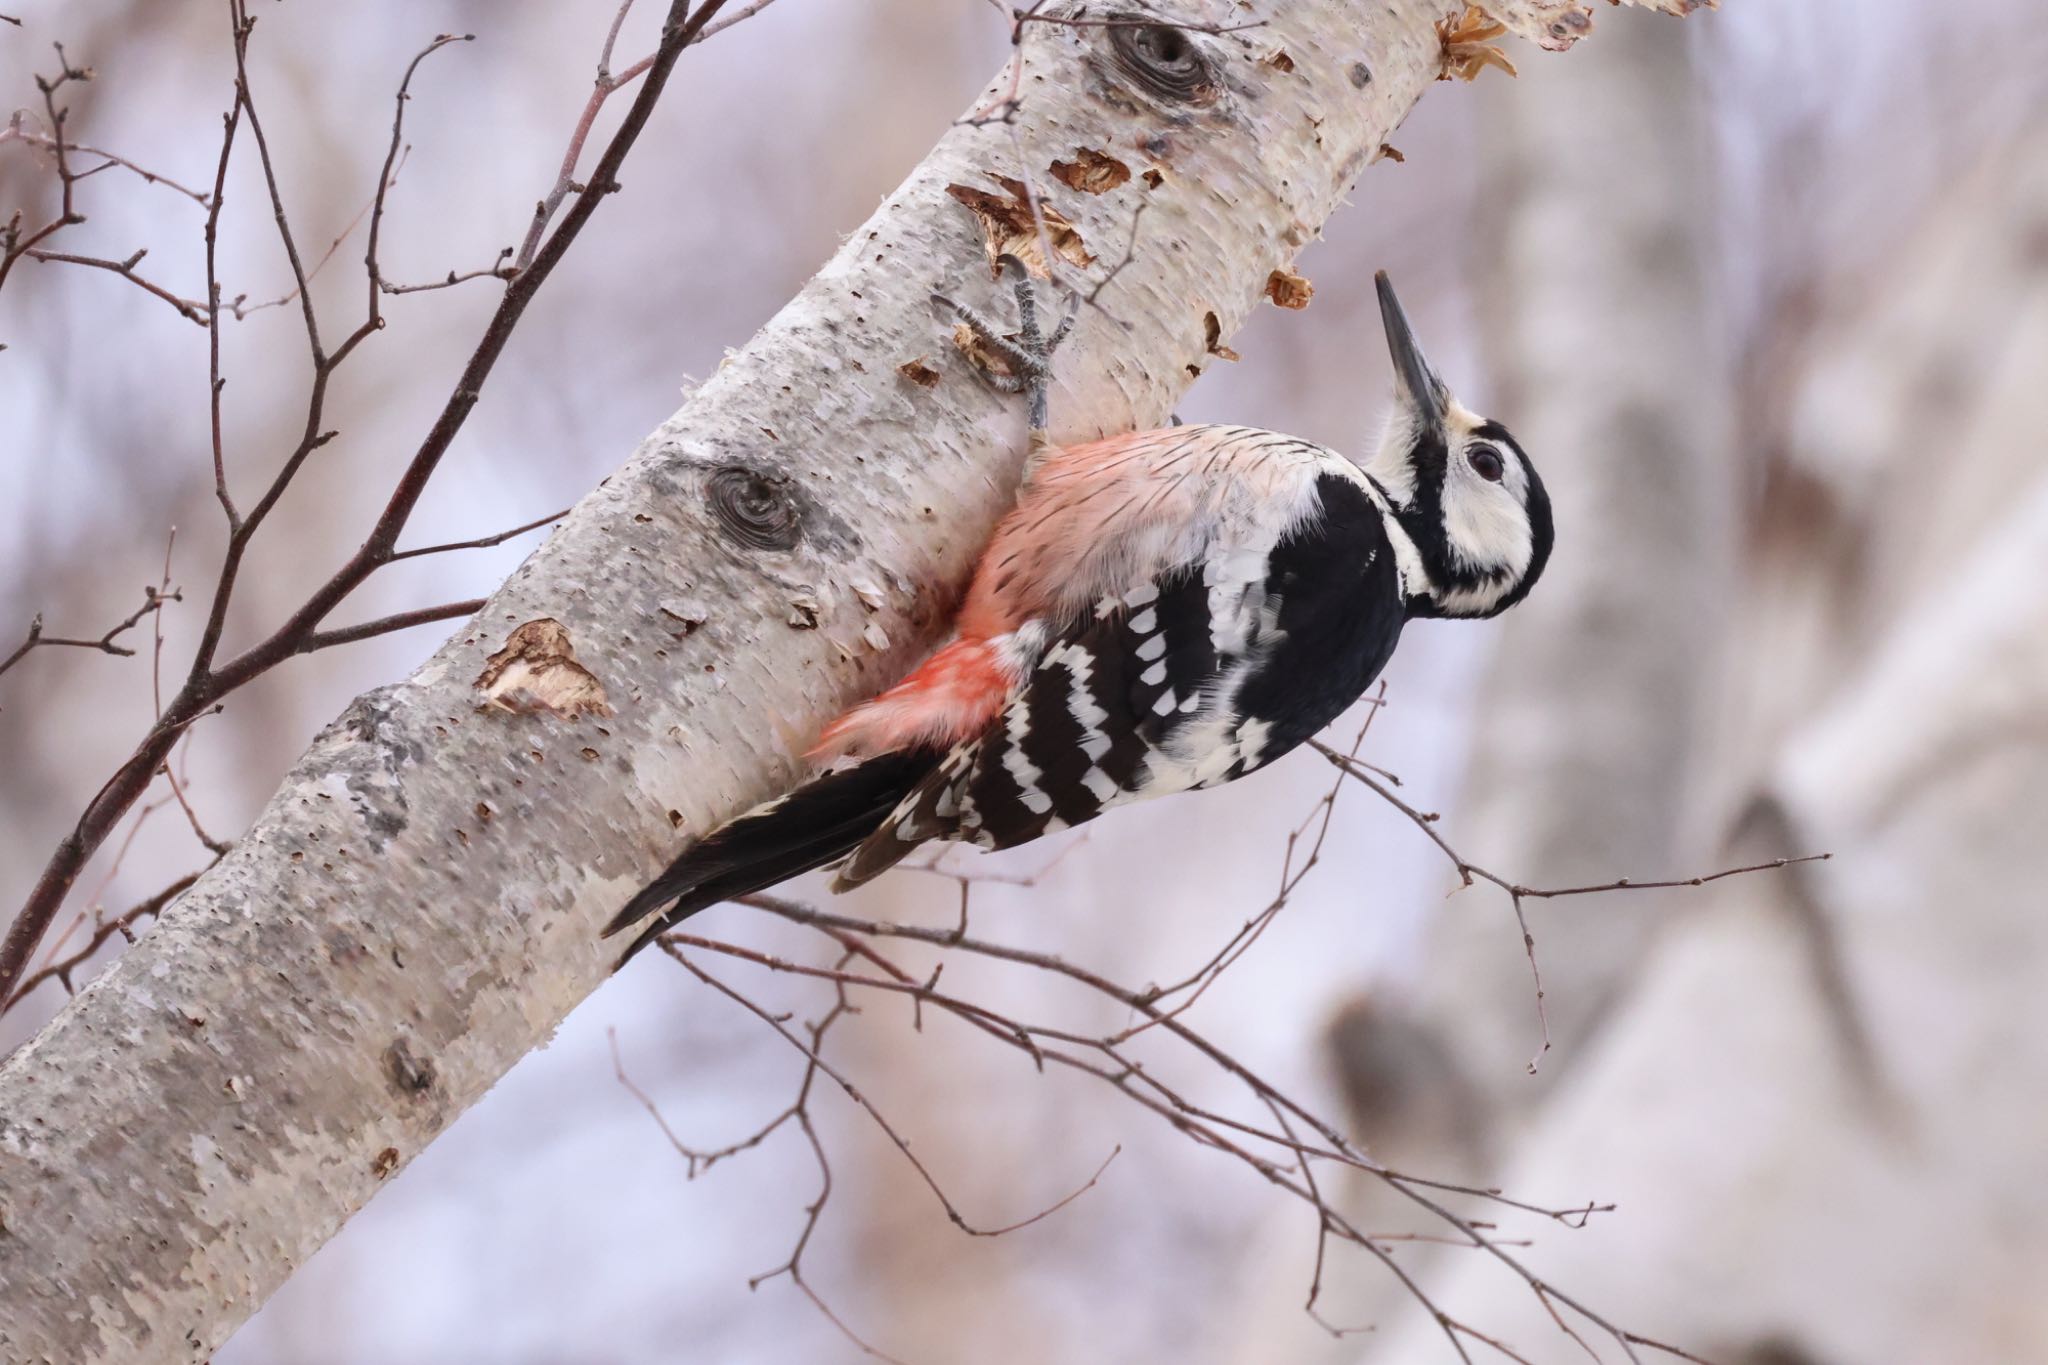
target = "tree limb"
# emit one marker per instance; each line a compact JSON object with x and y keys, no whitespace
{"x":418,"y":905}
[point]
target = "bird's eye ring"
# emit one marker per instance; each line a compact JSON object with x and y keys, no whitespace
{"x":1486,"y":463}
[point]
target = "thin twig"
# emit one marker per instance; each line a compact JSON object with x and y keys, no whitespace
{"x":385,"y":625}
{"x":189,"y":309}
{"x":1469,"y":871}
{"x":153,"y":600}
{"x":482,"y":542}
{"x":121,"y":924}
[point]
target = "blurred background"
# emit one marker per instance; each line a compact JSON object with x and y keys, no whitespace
{"x":1765,"y":293}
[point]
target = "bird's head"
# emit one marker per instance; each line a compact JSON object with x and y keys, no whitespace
{"x":1460,"y":487}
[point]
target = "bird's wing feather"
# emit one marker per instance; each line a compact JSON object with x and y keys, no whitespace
{"x":1189,"y":679}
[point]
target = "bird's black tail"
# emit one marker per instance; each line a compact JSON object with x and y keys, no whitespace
{"x":822,"y":820}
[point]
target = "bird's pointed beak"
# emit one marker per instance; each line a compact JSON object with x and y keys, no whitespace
{"x":1419,"y":386}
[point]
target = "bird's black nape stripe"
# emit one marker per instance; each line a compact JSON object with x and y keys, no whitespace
{"x":818,"y":822}
{"x":1423,"y":515}
{"x":1423,"y":519}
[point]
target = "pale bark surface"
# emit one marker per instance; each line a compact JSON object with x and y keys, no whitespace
{"x":417,"y":907}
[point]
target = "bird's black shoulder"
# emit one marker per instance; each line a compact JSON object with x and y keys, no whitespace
{"x":1335,"y":590}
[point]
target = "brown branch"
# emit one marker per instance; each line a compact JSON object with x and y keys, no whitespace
{"x":189,"y":309}
{"x":1469,"y":871}
{"x":1070,"y":1049}
{"x":698,"y":1160}
{"x":606,"y":86}
{"x":739,"y":16}
{"x":481,"y":543}
{"x":385,"y":625}
{"x":243,"y":25}
{"x":388,"y":176}
{"x":60,"y":971}
{"x":672,"y":945}
{"x":214,"y":383}
{"x":108,"y":162}
{"x":800,"y":1110}
{"x":13,"y":243}
{"x":497,"y":271}
{"x":153,"y":599}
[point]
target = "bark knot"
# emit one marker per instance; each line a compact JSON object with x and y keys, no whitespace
{"x":754,"y":507}
{"x":410,"y":1075}
{"x":1162,"y":60}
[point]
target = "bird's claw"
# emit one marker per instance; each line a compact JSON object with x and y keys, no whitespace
{"x":1026,"y":355}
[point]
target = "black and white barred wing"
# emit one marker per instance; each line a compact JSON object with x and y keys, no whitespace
{"x":1102,"y":718}
{"x":1189,"y":681}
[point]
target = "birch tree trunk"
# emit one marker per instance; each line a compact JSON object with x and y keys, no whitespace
{"x":418,"y":905}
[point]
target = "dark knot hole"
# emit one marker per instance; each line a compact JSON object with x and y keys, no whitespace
{"x":754,"y":507}
{"x":1163,"y":59}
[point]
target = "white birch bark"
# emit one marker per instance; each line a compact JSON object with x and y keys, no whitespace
{"x":417,"y":906}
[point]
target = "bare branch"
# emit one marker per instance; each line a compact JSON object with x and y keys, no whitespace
{"x":15,"y":241}
{"x":497,"y":271}
{"x":122,"y":924}
{"x":242,"y":24}
{"x":713,"y":30}
{"x":189,"y":309}
{"x":1379,"y":781}
{"x":1102,"y":1057}
{"x":388,"y":176}
{"x":153,"y":599}
{"x":482,"y":543}
{"x":385,"y":625}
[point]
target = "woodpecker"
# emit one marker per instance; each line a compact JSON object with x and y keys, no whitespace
{"x":1162,"y":611}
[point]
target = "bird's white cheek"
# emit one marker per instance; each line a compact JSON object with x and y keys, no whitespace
{"x":1487,"y":531}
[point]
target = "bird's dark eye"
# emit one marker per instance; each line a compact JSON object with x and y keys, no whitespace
{"x":1486,"y":463}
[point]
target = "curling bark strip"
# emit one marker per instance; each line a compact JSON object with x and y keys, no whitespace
{"x":418,"y":905}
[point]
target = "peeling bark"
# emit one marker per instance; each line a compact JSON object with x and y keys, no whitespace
{"x":418,"y":905}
